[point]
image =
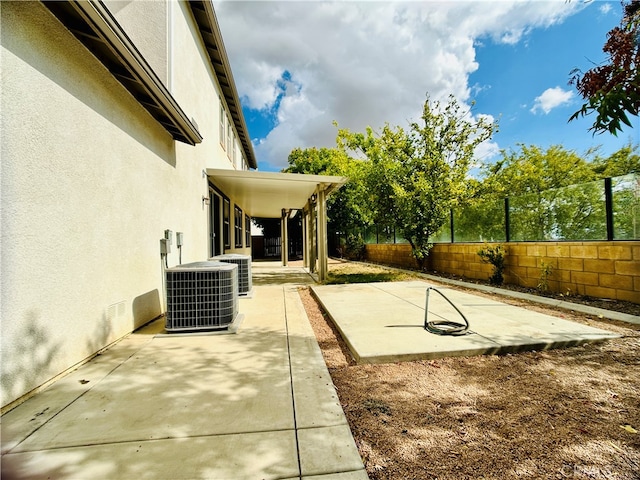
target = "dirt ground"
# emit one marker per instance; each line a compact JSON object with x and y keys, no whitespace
{"x":570,"y":413}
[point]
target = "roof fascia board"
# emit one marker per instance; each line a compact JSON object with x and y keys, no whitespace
{"x":164,"y":108}
{"x":265,"y":194}
{"x":225,"y":77}
{"x":323,"y":181}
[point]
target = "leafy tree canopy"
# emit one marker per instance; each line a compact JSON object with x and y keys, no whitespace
{"x":345,"y":207}
{"x":552,"y":194}
{"x":412,"y":178}
{"x":624,"y":161}
{"x":532,"y":169}
{"x":612,"y":90}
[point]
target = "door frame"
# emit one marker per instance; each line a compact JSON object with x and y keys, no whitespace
{"x":216,"y":246}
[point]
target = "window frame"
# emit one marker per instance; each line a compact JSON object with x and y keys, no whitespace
{"x":221,"y":129}
{"x":235,"y":155}
{"x":247,"y":230}
{"x":229,"y":137}
{"x":237,"y":225}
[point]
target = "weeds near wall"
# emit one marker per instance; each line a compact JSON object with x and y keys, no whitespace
{"x":496,"y":257}
{"x":546,"y":269}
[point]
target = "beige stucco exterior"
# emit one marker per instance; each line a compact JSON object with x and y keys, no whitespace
{"x":148,"y":24}
{"x":90,"y":181}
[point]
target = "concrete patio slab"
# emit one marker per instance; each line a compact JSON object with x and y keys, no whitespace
{"x":550,"y":301}
{"x":354,"y":475}
{"x":384,"y":322}
{"x":319,"y":452}
{"x":317,"y":404}
{"x":269,"y":455}
{"x":257,"y":404}
{"x":195,"y":386}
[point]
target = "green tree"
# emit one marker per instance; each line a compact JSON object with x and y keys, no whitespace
{"x":612,"y":90}
{"x":480,"y":219}
{"x":532,"y":169}
{"x":626,"y":207}
{"x":344,"y":207}
{"x":553,"y":194}
{"x":413,"y":178}
{"x":622,"y":162}
{"x":623,"y":166}
{"x":545,"y":202}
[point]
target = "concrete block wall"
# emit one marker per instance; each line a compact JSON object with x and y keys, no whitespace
{"x":393,"y":254}
{"x":597,"y":269}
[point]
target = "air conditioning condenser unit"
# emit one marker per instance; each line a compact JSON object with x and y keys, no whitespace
{"x":244,"y":270}
{"x":201,"y":296}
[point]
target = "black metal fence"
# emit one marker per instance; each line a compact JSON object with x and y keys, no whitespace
{"x":606,"y":209}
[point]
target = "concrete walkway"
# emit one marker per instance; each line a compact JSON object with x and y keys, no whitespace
{"x":258,"y":404}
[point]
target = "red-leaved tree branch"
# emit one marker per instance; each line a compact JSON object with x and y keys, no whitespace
{"x":612,"y":90}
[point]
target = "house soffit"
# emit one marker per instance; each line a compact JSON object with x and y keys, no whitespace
{"x":265,"y":194}
{"x":95,"y":27}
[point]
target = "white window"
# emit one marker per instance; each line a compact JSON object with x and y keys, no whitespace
{"x":235,"y":150}
{"x":223,"y":115}
{"x":229,"y":137}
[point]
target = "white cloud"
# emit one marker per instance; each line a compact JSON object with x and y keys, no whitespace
{"x":361,"y":63}
{"x":605,"y":8}
{"x":551,"y":98}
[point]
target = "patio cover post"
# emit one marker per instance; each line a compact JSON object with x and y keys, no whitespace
{"x":322,"y":235}
{"x":284,"y":244}
{"x":305,"y":236}
{"x":312,"y":236}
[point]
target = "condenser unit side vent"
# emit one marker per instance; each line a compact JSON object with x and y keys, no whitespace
{"x":201,"y":296}
{"x":243,"y":262}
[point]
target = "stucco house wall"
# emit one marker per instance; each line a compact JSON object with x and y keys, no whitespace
{"x":90,"y":181}
{"x":148,"y":24}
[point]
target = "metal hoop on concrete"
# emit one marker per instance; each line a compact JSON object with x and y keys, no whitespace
{"x":444,"y":327}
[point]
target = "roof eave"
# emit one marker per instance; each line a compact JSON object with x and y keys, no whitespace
{"x":94,"y":26}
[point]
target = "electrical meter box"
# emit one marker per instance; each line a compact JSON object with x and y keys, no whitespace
{"x":165,"y":246}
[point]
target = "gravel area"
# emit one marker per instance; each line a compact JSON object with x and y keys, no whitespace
{"x":570,"y":413}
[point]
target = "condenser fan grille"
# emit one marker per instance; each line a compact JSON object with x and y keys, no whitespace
{"x":244,"y":269}
{"x":201,"y":296}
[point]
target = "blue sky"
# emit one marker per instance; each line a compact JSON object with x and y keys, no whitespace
{"x":299,"y":66}
{"x":511,"y":77}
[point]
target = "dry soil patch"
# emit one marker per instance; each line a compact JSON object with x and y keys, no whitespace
{"x":571,"y":413}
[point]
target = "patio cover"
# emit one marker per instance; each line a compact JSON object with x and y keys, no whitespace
{"x":265,"y":194}
{"x":274,"y":195}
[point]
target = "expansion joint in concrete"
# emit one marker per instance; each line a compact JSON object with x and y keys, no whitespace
{"x":293,"y":398}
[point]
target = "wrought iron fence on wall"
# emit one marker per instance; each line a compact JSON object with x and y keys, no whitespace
{"x":606,"y":209}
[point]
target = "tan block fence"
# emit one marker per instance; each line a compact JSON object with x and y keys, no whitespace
{"x":597,"y":269}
